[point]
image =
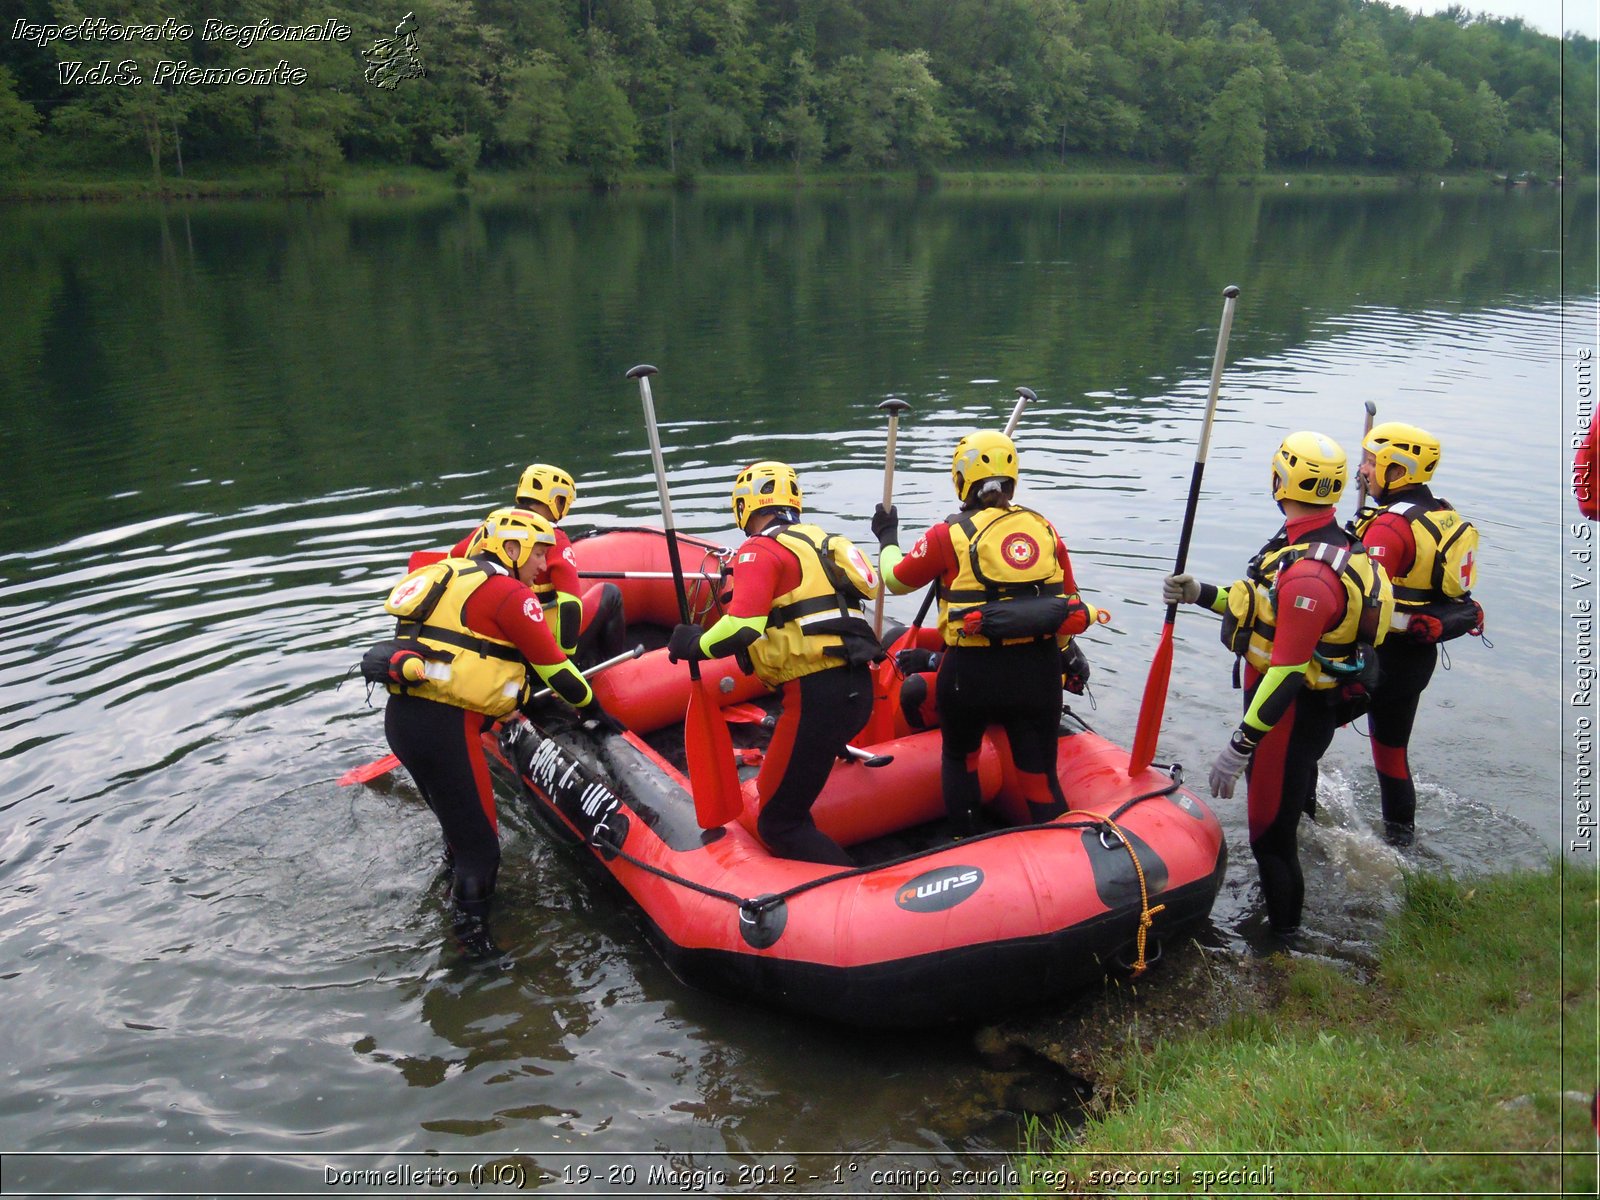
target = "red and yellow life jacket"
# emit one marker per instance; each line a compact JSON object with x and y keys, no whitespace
{"x":1446,"y":562}
{"x":819,"y":623}
{"x":463,"y":668}
{"x":1003,"y":555}
{"x":1250,"y":622}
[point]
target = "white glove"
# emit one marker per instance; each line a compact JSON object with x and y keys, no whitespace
{"x":1229,"y":765}
{"x":1180,"y":589}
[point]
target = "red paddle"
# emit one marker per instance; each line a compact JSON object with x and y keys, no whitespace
{"x":1154,"y":703}
{"x":713,"y":778}
{"x":367,"y":772}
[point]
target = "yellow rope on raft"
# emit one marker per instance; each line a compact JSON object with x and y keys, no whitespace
{"x":1147,"y":914}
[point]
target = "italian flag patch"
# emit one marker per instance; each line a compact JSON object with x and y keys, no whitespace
{"x":1305,"y":602}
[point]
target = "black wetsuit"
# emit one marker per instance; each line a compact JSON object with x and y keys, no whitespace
{"x":1017,"y":687}
{"x":821,"y":712}
{"x":440,"y":745}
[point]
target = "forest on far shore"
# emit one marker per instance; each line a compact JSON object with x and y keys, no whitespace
{"x":601,"y":87}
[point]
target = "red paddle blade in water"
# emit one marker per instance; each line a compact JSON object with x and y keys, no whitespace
{"x":713,"y":777}
{"x":369,"y":771}
{"x":1152,"y":706}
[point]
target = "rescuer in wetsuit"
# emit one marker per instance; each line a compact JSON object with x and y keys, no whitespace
{"x":468,"y":629}
{"x":1430,"y":555}
{"x":589,"y":625}
{"x":1304,"y":618}
{"x":1007,"y":599}
{"x":796,"y":612}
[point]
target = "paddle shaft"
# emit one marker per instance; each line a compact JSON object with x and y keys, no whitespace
{"x":642,"y":374}
{"x":1361,"y":480}
{"x":632,"y":575}
{"x":712,"y":779}
{"x":1024,"y":395}
{"x":770,"y":721}
{"x":625,"y":656}
{"x":1154,"y":702}
{"x":1230,"y":296}
{"x":894,"y":408}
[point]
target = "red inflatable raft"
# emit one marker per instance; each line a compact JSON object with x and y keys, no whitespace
{"x":926,"y":930}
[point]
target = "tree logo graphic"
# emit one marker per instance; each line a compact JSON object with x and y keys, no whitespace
{"x":392,"y":59}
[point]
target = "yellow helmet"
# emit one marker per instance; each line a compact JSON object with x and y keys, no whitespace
{"x":1394,"y":443}
{"x":1310,"y":468}
{"x":551,"y":486}
{"x":764,"y":485}
{"x":980,"y":456}
{"x":506,"y":527}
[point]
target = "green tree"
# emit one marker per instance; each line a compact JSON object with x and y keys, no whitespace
{"x":1108,"y":119}
{"x":1296,"y":123}
{"x":535,"y":122}
{"x":19,"y":123}
{"x":605,"y":134}
{"x":886,"y":110}
{"x":1536,"y":152}
{"x":110,"y":114}
{"x":460,"y":152}
{"x":1342,"y":112}
{"x":797,"y":126}
{"x":1404,"y":133}
{"x":1233,"y":137}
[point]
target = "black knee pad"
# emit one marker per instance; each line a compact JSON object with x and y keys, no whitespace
{"x":917,"y":704}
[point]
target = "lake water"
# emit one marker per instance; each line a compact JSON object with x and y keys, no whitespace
{"x":227,"y":425}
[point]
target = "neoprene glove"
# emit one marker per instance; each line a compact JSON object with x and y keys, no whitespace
{"x":914,"y":662}
{"x":1074,"y":669}
{"x":1180,"y":589}
{"x":684,"y":644}
{"x":886,"y":525}
{"x":1229,"y":765}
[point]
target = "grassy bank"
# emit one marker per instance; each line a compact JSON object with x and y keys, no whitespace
{"x":106,"y":184}
{"x":1454,"y":1068}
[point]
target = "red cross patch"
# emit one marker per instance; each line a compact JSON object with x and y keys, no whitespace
{"x":1467,"y":567}
{"x":1020,"y":550}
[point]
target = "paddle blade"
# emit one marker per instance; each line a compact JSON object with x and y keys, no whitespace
{"x":1152,"y":706}
{"x":713,"y":778}
{"x":369,"y":771}
{"x":744,"y":714}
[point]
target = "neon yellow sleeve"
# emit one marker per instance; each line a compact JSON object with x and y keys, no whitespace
{"x":888,"y":559}
{"x":731,"y":634}
{"x":566,"y":681}
{"x":569,"y":620}
{"x":1276,"y":691}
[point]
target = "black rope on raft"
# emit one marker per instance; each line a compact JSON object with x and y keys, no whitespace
{"x":603,"y":839}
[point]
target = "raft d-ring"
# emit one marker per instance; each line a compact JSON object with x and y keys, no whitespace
{"x":1119,"y":844}
{"x":762,"y":920}
{"x":1123,"y":962}
{"x":756,"y":905}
